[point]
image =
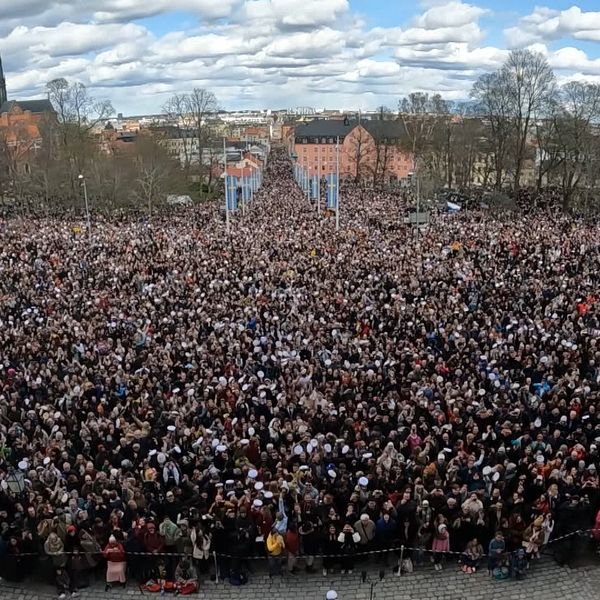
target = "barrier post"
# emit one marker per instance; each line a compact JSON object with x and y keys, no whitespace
{"x":216,"y":567}
{"x":399,"y":573}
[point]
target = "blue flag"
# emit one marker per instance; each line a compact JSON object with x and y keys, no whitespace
{"x":332,"y":191}
{"x":314,"y":184}
{"x":231,"y":185}
{"x":246,"y":195}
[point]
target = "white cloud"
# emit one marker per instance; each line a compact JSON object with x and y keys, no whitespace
{"x":547,"y":24}
{"x":452,"y":14}
{"x":267,"y":52}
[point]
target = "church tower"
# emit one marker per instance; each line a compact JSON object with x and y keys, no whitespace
{"x":3,"y":96}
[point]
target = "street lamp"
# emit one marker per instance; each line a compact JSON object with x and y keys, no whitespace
{"x":87,"y":208}
{"x":15,"y":481}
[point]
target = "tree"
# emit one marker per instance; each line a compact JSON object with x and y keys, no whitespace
{"x":492,"y":103}
{"x":576,"y":138}
{"x":421,"y":116}
{"x":77,"y":114}
{"x":530,"y":85}
{"x":511,"y":100}
{"x":192,"y":113}
{"x":360,"y":151}
{"x":157,"y":174}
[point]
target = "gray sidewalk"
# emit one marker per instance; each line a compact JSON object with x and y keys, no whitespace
{"x":545,"y":581}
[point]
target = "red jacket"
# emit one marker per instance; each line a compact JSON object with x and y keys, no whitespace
{"x":114,"y":553}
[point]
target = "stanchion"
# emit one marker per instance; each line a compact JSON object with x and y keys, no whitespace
{"x":217,"y":574}
{"x":399,"y":573}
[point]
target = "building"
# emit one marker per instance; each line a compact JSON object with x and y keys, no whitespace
{"x":21,"y":125}
{"x":369,"y":151}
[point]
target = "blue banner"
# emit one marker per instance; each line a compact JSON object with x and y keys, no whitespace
{"x":231,"y":186}
{"x":246,"y":191}
{"x":314,"y":187}
{"x":332,"y":191}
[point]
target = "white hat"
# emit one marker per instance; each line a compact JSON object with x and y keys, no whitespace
{"x":367,"y":455}
{"x":161,"y":458}
{"x":259,"y":485}
{"x":23,"y":465}
{"x":332,"y":473}
{"x":363,"y":481}
{"x":345,"y":449}
{"x":152,"y":453}
{"x":327,"y":448}
{"x":304,"y":468}
{"x":251,"y":431}
{"x":298,"y":449}
{"x":171,"y":428}
{"x":496,"y":476}
{"x":252,"y":473}
{"x":487,"y":470}
{"x":257,"y":503}
{"x":244,"y":442}
{"x":331,"y":595}
{"x":221,"y":448}
{"x":268,"y":494}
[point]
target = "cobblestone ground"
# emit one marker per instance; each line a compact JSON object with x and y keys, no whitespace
{"x":545,"y":581}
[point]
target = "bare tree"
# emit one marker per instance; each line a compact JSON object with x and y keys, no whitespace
{"x":156,"y":172}
{"x":77,"y":114}
{"x":529,"y":82}
{"x":492,"y":99}
{"x":576,"y":137}
{"x":192,"y":114}
{"x":360,"y":151}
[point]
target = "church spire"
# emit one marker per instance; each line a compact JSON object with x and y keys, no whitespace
{"x":3,"y":96}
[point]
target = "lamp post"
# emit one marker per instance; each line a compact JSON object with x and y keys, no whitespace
{"x":225,"y":184}
{"x":87,"y":208}
{"x":15,"y":481}
{"x":337,"y":190}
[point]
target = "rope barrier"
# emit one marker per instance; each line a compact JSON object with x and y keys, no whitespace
{"x":359,"y":553}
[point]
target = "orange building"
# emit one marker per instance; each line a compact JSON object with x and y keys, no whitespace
{"x":368,"y":150}
{"x":21,"y":122}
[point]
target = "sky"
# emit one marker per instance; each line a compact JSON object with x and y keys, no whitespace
{"x":345,"y":54}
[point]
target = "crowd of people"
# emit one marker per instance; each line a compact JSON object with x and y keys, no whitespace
{"x":177,"y":400}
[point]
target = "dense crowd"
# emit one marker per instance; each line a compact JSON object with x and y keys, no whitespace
{"x":290,"y":391}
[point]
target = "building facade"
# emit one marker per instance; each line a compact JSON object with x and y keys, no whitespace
{"x":369,"y":151}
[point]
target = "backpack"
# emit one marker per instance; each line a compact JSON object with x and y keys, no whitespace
{"x":407,"y":566}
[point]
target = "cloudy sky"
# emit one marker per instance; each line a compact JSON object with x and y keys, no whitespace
{"x":347,"y":54}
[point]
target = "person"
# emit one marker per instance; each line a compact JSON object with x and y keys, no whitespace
{"x":186,"y":578}
{"x":348,"y":540}
{"x":472,"y":556}
{"x":55,"y":548}
{"x":496,"y":551}
{"x":519,"y":564}
{"x":440,"y":545}
{"x":275,"y":551}
{"x":63,"y":583}
{"x":366,"y":529}
{"x":116,"y":564}
{"x":292,"y":547}
{"x":330,"y":548}
{"x":533,"y":538}
{"x":294,"y":373}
